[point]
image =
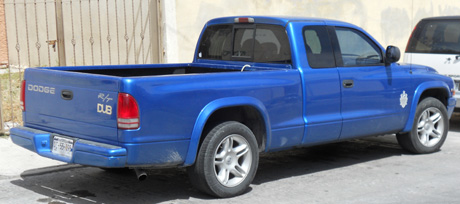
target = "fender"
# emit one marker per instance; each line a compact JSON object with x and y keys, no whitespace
{"x":212,"y":107}
{"x":417,"y":94}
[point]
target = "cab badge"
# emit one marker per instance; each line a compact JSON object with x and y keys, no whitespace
{"x":403,"y":99}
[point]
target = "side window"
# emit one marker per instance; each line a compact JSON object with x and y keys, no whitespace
{"x":318,"y":47}
{"x":357,"y":49}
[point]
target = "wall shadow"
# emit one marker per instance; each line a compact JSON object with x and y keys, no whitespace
{"x":79,"y":184}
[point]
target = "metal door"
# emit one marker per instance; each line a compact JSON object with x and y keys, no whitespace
{"x":82,"y":32}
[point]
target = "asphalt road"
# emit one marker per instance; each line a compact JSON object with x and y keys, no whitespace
{"x":372,"y":170}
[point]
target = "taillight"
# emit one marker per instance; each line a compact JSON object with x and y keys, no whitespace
{"x":23,"y":96}
{"x":127,"y":112}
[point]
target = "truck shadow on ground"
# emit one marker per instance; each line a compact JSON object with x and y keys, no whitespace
{"x":79,"y":184}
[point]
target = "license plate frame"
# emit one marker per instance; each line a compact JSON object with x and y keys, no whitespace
{"x":62,"y":146}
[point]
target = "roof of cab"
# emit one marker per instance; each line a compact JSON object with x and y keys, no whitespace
{"x":277,"y":20}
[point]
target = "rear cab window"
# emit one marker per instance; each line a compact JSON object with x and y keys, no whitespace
{"x":261,"y":43}
{"x":436,"y":36}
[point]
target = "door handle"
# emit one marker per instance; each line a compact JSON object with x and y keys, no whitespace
{"x":348,"y":83}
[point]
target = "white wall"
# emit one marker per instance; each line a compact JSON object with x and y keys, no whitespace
{"x":390,"y":22}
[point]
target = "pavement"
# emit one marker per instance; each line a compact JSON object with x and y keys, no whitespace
{"x":16,"y":160}
{"x":371,"y":170}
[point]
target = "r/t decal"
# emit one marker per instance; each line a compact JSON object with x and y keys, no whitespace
{"x":103,"y":108}
{"x":105,"y":98}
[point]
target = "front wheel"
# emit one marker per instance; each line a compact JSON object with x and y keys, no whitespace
{"x":227,"y":160}
{"x":429,"y":130}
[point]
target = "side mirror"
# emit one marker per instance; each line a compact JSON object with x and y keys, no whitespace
{"x":392,"y":54}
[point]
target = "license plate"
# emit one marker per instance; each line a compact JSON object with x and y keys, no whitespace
{"x":62,"y":146}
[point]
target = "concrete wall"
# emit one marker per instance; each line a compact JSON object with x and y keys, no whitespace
{"x":3,"y":44}
{"x":390,"y":22}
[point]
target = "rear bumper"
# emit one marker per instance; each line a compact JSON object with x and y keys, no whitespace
{"x":92,"y":153}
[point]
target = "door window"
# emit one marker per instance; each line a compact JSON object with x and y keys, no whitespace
{"x":357,"y":49}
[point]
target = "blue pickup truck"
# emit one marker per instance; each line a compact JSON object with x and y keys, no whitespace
{"x":256,"y":84}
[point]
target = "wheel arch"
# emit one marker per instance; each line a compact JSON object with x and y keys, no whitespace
{"x":435,"y":89}
{"x":247,"y":110}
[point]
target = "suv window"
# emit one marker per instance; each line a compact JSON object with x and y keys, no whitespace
{"x":318,"y":47}
{"x":254,"y":43}
{"x":436,"y":36}
{"x":357,"y":49}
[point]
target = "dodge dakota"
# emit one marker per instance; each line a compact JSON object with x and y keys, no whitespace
{"x":256,"y":84}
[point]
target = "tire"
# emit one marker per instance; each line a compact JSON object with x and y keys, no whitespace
{"x":227,"y":161}
{"x":430,"y":128}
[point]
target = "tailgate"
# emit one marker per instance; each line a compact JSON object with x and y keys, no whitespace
{"x":75,"y":104}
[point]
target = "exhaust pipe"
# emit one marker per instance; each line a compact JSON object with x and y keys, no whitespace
{"x":141,"y":174}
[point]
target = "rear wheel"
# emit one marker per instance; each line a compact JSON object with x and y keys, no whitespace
{"x":227,"y":160}
{"x":429,"y":130}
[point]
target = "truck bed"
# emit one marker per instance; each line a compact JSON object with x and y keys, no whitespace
{"x":94,"y":87}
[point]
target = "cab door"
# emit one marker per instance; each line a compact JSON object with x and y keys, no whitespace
{"x":374,"y":95}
